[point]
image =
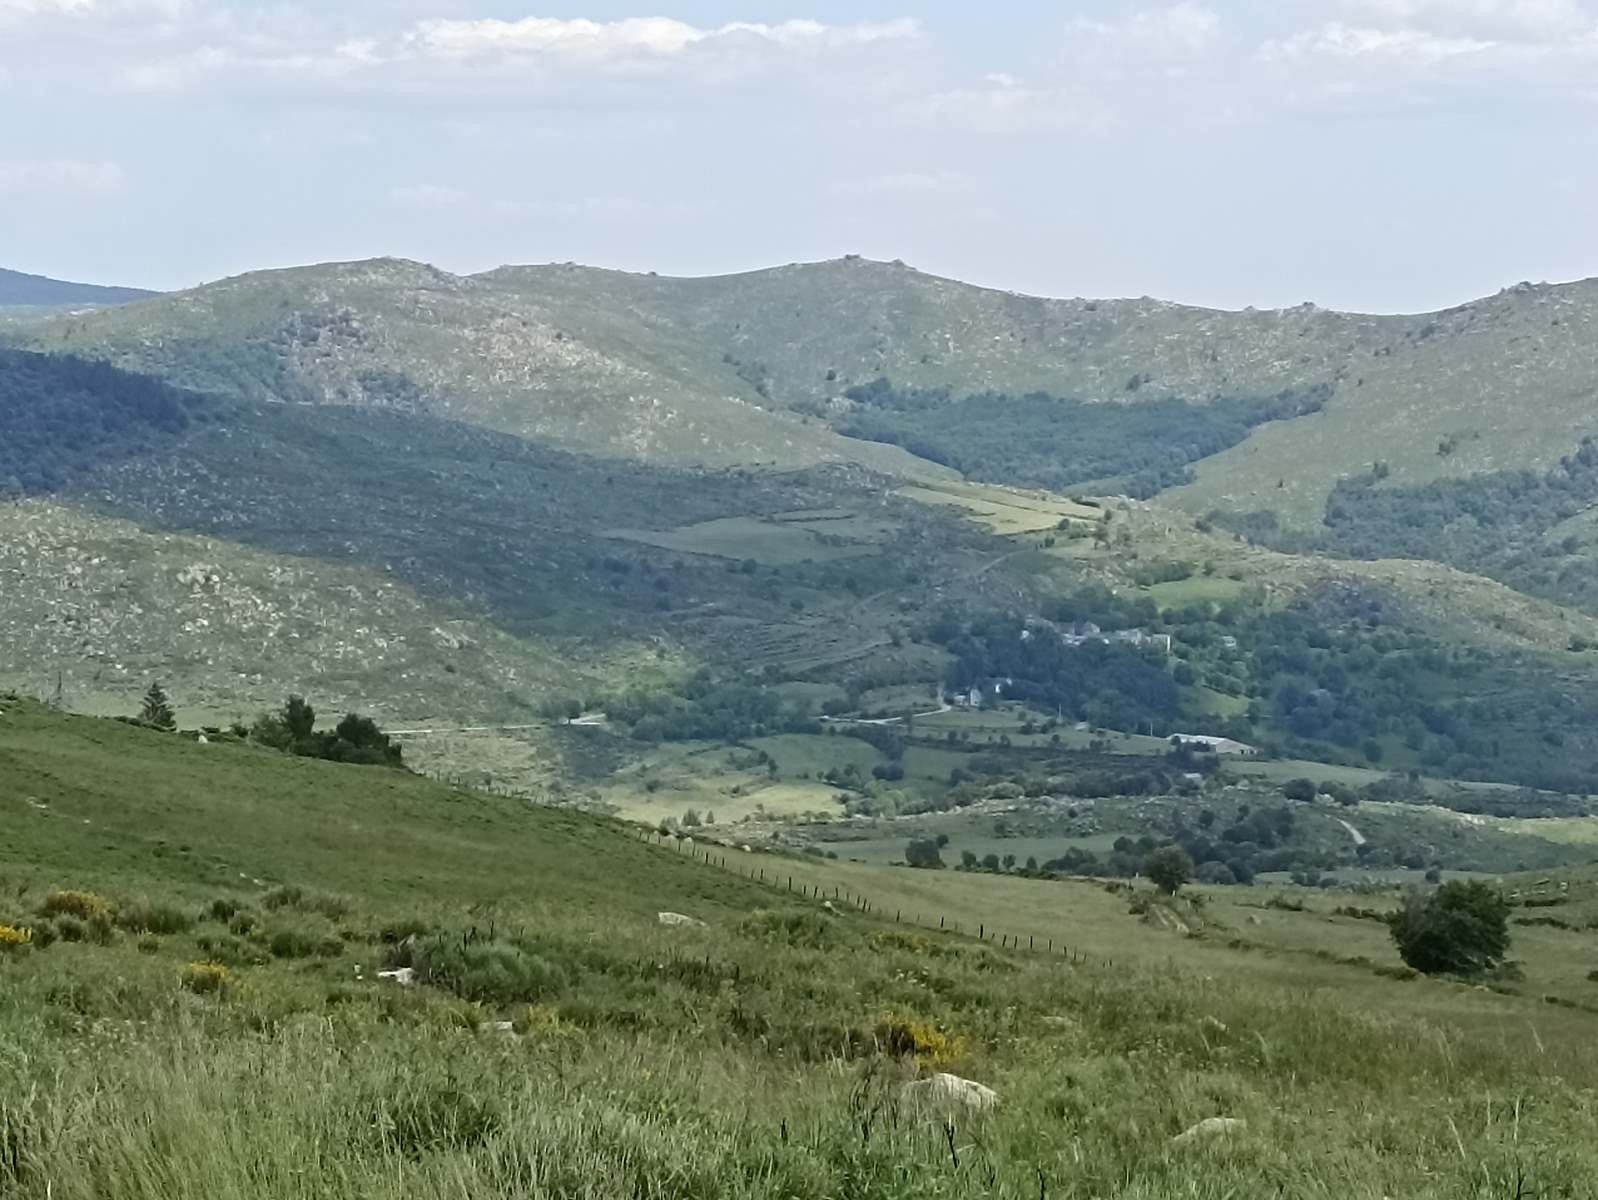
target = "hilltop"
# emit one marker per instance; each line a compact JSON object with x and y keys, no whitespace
{"x":23,"y":291}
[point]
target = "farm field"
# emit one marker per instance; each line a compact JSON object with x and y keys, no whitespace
{"x":1005,"y":511}
{"x":770,"y":543}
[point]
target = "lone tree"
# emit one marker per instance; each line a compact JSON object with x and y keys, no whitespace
{"x":1169,"y":868}
{"x":157,"y":711}
{"x":924,"y":853}
{"x":1460,"y":929}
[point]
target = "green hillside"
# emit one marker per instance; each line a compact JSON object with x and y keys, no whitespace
{"x":191,"y":1001}
{"x":752,"y":368}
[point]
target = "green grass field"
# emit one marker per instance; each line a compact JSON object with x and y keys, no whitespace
{"x":202,"y":1016}
{"x":770,"y":543}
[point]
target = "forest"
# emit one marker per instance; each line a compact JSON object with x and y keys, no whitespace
{"x":60,"y":416}
{"x":1114,"y":686}
{"x":1040,"y":440}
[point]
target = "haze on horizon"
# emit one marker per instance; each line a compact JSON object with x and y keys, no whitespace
{"x":1379,"y":155}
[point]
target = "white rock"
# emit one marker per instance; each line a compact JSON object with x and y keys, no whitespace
{"x":1211,"y":1127}
{"x":950,"y":1091}
{"x":675,"y":920}
{"x":507,"y":1028}
{"x":404,"y":976}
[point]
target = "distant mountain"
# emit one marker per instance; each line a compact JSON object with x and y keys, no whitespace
{"x":18,"y":290}
{"x":754,"y":369}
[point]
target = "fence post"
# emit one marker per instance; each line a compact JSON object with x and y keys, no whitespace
{"x":980,"y":930}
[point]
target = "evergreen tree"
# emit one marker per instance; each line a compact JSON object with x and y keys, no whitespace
{"x":157,"y":711}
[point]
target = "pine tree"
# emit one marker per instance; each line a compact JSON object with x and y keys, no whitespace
{"x":157,"y":711}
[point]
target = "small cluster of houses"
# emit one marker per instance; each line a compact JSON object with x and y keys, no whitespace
{"x":1080,"y":633}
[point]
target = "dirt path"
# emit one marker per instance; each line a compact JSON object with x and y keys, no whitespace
{"x":1359,"y":838}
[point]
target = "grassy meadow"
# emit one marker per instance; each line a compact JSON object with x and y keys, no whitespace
{"x":195,"y":1011}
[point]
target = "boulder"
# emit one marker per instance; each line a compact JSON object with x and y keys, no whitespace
{"x":1210,"y":1127}
{"x":678,"y":920}
{"x":950,"y":1092}
{"x":404,"y":976}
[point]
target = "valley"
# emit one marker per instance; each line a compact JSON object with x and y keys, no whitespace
{"x":799,"y":678}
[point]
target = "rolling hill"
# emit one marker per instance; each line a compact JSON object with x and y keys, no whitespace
{"x":752,"y":368}
{"x":222,"y":963}
{"x":454,"y":498}
{"x":23,"y":291}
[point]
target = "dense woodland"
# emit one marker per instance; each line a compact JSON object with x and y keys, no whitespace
{"x":1039,"y":440}
{"x":1114,"y":686}
{"x":61,"y":416}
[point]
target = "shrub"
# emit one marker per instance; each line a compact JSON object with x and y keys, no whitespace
{"x":1301,"y":790}
{"x":205,"y":979}
{"x":145,"y":917}
{"x":286,"y":895}
{"x":229,"y":951}
{"x":302,"y":941}
{"x":222,"y":909}
{"x":1462,"y":929}
{"x":810,"y":930}
{"x":488,"y":972}
{"x":243,"y":923}
{"x":149,"y":944}
{"x":70,"y":929}
{"x":83,"y":905}
{"x":908,"y":1037}
{"x":15,"y":940}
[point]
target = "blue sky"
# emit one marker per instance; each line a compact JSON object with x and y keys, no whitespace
{"x":1374,"y":154}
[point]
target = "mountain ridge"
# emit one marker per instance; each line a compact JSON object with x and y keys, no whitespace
{"x":18,"y":289}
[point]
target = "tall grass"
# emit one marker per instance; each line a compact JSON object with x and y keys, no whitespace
{"x":761,"y":1059}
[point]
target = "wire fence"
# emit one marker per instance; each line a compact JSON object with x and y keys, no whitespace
{"x":759,"y":869}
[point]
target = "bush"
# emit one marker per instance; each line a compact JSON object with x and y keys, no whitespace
{"x":790,"y":927}
{"x":487,"y":972}
{"x":144,"y":917}
{"x":14,"y":940}
{"x":302,"y":941}
{"x":83,"y":905}
{"x":205,"y":979}
{"x":1460,"y":929}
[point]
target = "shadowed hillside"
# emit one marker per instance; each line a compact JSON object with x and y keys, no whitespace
{"x":19,"y":290}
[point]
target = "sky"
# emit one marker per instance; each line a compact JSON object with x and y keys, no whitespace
{"x":1379,"y":155}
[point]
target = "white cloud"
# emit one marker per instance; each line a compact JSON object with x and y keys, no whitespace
{"x":633,"y":39}
{"x":43,"y":8}
{"x":468,"y":57}
{"x":1180,"y":33}
{"x":60,"y":178}
{"x":1533,"y":21}
{"x":1337,"y":41}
